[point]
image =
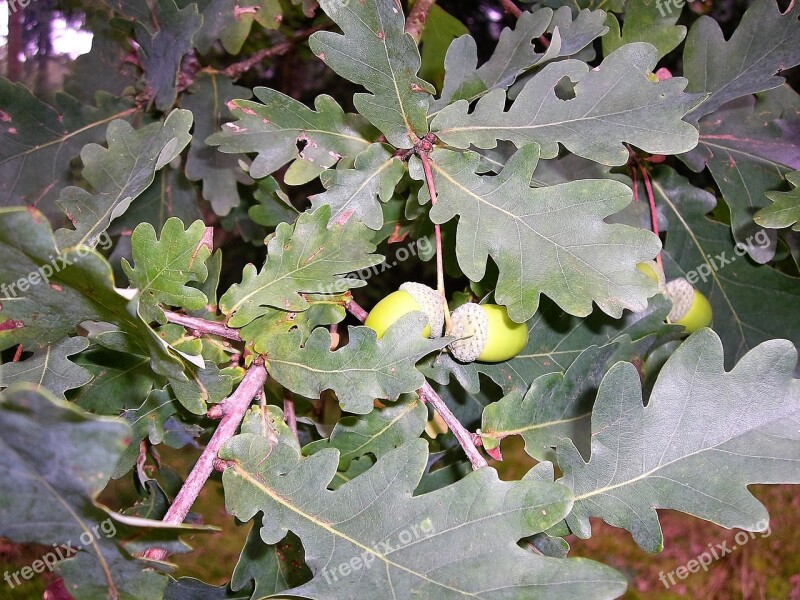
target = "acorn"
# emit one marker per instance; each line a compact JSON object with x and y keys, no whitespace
{"x":409,"y":298}
{"x":654,"y":271}
{"x":485,"y":333}
{"x":690,"y":307}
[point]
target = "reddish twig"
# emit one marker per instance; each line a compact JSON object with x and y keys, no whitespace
{"x":288,"y":411}
{"x":511,"y":8}
{"x":425,"y":147}
{"x":429,"y":395}
{"x":464,"y":437}
{"x":235,"y":406}
{"x":415,"y":23}
{"x":237,"y":69}
{"x":203,"y":325}
{"x":17,"y":353}
{"x":653,"y":214}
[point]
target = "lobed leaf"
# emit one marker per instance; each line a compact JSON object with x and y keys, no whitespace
{"x":615,"y":103}
{"x":304,"y":258}
{"x":704,"y":436}
{"x":374,"y":51}
{"x":365,"y":369}
{"x":544,"y":240}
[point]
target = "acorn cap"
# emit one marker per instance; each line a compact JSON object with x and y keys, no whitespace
{"x":470,"y":325}
{"x":682,"y":294}
{"x":430,"y":302}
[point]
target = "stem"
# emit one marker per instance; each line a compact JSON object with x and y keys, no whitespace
{"x":415,"y":23}
{"x":235,"y":70}
{"x":652,"y":200}
{"x":511,"y":8}
{"x":426,"y":167}
{"x":464,"y":437}
{"x":289,"y":412}
{"x":235,"y":407}
{"x":429,"y":395}
{"x":203,"y":325}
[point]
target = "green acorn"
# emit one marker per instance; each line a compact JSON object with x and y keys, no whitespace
{"x":485,"y":333}
{"x":409,"y":298}
{"x":690,"y":307}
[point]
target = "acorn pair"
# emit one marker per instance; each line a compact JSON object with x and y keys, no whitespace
{"x":483,"y":332}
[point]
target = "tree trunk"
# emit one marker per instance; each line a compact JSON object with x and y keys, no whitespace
{"x":14,"y":68}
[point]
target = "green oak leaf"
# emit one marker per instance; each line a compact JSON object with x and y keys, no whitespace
{"x":515,"y":52}
{"x":119,"y":381}
{"x":157,"y":420}
{"x":556,"y":406}
{"x":273,"y":206}
{"x":615,"y":103}
{"x":765,"y":42}
{"x":785,"y":210}
{"x":363,"y":370}
{"x":357,"y":191}
{"x":749,"y":146}
{"x":650,"y":21}
{"x":170,"y":195}
{"x":164,"y":47}
{"x":50,"y":293}
{"x":202,"y":387}
{"x":304,"y":258}
{"x":456,"y":542}
{"x":373,"y":50}
{"x":50,"y":368}
{"x":273,"y":568}
{"x":39,"y":141}
{"x":59,"y":458}
{"x":119,"y":174}
{"x":220,"y":173}
{"x":278,"y":125}
{"x":376,"y":433}
{"x":705,"y":435}
{"x":547,"y":240}
{"x":751,"y":303}
{"x":164,"y":267}
{"x":439,"y":32}
{"x":231,"y":21}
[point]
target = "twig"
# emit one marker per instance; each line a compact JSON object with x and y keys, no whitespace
{"x":464,"y":437}
{"x":235,"y":407}
{"x":288,"y":411}
{"x":237,"y":69}
{"x":429,"y":395}
{"x":511,"y":8}
{"x":653,"y":213}
{"x":17,"y":353}
{"x":203,"y":325}
{"x":437,"y":230}
{"x":415,"y":23}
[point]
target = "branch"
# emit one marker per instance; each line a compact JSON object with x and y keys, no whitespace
{"x":203,"y":325}
{"x":511,"y":8}
{"x":429,"y":395}
{"x":235,"y":406}
{"x":237,"y":69}
{"x":415,"y":23}
{"x":288,"y":411}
